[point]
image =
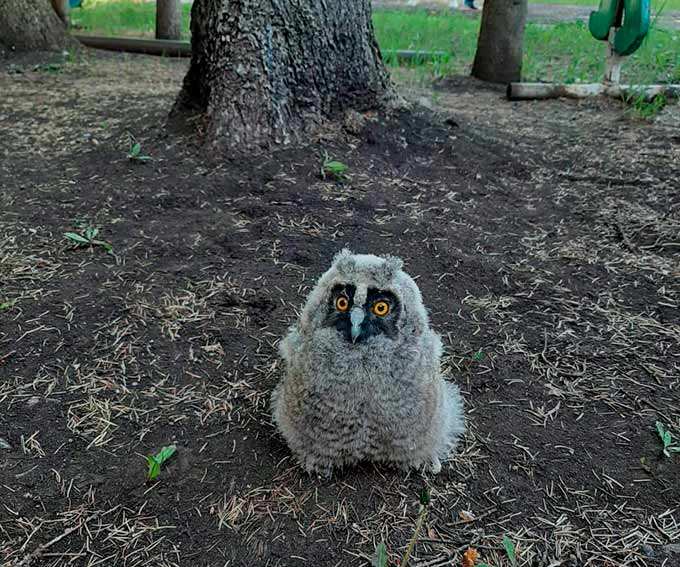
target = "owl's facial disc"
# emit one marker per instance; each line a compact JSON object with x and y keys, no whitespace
{"x":358,"y":323}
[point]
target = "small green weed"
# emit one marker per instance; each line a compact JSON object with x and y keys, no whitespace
{"x":88,"y":238}
{"x":380,"y":559}
{"x":49,"y":68}
{"x":644,"y":108}
{"x":333,"y":169}
{"x":666,"y":439}
{"x":510,"y":550}
{"x":470,"y":362}
{"x":154,"y":462}
{"x":7,"y":305}
{"x":135,"y":153}
{"x":470,"y":557}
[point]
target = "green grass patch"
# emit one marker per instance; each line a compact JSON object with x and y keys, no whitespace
{"x":568,"y":53}
{"x":564,"y":52}
{"x":122,"y":18}
{"x":656,"y":4}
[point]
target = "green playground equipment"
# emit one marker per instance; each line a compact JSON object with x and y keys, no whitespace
{"x":630,"y":19}
{"x":623,"y":24}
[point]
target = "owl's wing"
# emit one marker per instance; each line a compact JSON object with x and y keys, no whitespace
{"x":290,"y":344}
{"x":432,"y":352}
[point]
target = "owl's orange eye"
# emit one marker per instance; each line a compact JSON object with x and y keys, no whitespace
{"x":381,"y":308}
{"x":342,"y":304}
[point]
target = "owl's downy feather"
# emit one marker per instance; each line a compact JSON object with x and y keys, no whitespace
{"x":378,"y":399}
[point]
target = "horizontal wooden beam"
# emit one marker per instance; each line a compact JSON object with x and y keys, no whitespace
{"x":529,"y":91}
{"x":413,"y":55}
{"x":176,"y":48}
{"x":170,"y":47}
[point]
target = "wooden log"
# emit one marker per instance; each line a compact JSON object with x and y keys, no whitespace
{"x":528,"y":91}
{"x":137,"y":45}
{"x":411,"y":55}
{"x":183,"y":48}
{"x":168,"y":19}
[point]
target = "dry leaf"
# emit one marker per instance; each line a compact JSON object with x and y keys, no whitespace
{"x":466,"y":516}
{"x":470,"y":557}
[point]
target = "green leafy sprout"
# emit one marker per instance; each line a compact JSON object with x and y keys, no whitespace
{"x":666,"y":439}
{"x":49,"y":68}
{"x":88,"y":238}
{"x":510,"y":550}
{"x":7,"y":305}
{"x":135,"y":153}
{"x":333,"y":169}
{"x":644,"y":107}
{"x":154,"y":462}
{"x":380,"y":559}
{"x":478,"y":356}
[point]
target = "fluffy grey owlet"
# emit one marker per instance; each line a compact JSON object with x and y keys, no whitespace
{"x":362,"y":373}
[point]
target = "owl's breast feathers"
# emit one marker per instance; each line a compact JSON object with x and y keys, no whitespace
{"x":358,"y":402}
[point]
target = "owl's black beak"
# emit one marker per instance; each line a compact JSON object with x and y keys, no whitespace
{"x":356,"y":317}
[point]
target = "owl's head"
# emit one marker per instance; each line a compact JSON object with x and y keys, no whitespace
{"x":363,"y":296}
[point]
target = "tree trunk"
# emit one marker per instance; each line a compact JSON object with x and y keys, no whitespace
{"x":500,"y":44}
{"x":31,"y":24}
{"x":62,"y":8}
{"x":168,"y":19}
{"x":268,"y":72}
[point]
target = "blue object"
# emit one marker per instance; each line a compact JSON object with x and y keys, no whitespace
{"x":75,"y":3}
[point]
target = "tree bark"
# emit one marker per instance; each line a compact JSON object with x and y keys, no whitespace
{"x":168,"y":19}
{"x":31,"y":24}
{"x":269,"y":72}
{"x":500,"y":44}
{"x":62,"y":8}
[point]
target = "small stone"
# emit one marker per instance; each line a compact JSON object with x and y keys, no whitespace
{"x":426,"y":102}
{"x":4,"y":444}
{"x":35,"y":400}
{"x":647,"y":550}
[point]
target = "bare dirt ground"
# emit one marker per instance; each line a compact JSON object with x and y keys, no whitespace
{"x":546,"y":240}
